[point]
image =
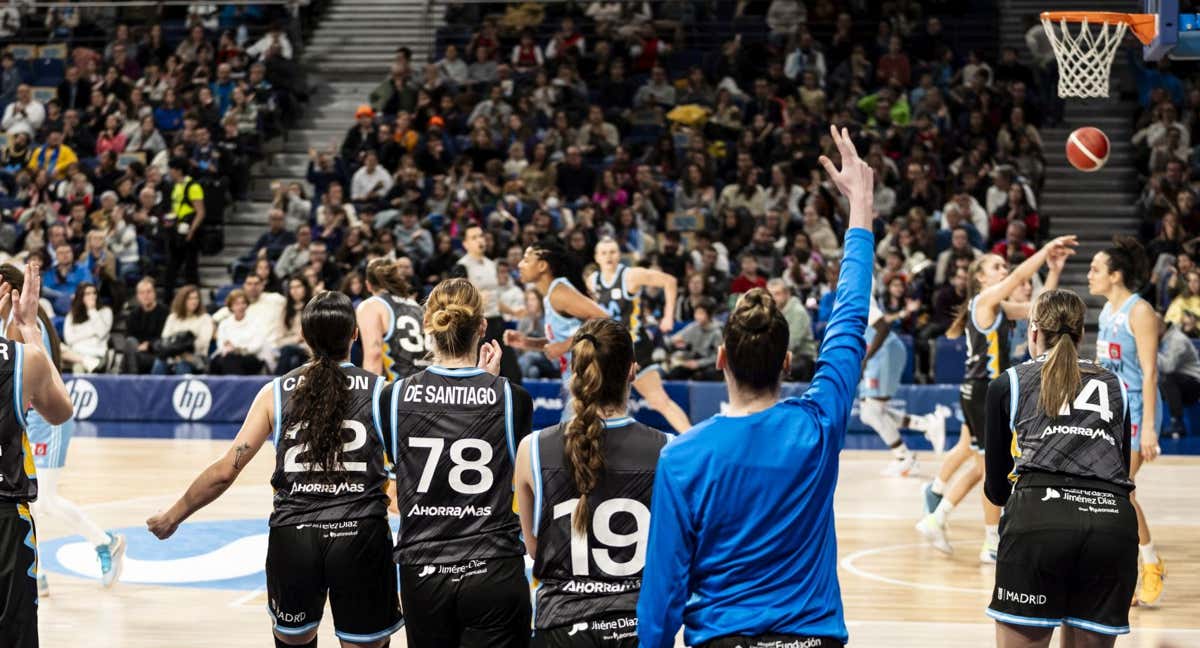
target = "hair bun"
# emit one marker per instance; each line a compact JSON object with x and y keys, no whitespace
{"x":754,"y":310}
{"x":449,"y":317}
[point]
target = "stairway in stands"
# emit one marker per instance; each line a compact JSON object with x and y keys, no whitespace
{"x":348,"y":54}
{"x":1094,"y":206}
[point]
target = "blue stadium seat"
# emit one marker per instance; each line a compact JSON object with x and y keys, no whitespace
{"x":949,"y":364}
{"x":48,"y":71}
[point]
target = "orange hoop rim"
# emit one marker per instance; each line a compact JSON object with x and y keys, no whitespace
{"x":1143,"y":26}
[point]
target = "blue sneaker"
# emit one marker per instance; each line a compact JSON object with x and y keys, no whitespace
{"x":932,"y":499}
{"x":112,"y":558}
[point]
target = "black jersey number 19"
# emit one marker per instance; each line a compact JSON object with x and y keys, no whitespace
{"x":601,"y":526}
{"x":290,"y":463}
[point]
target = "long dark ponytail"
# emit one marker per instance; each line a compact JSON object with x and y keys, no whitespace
{"x":322,"y":396}
{"x":602,"y":355}
{"x":15,"y":277}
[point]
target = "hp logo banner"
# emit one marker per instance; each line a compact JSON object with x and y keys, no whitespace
{"x":192,"y":400}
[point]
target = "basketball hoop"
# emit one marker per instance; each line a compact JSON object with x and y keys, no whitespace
{"x":1085,"y":57}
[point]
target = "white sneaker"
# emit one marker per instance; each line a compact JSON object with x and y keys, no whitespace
{"x":934,"y":534}
{"x":937,"y":428}
{"x":901,"y":467}
{"x":987,"y":555}
{"x":112,"y":559}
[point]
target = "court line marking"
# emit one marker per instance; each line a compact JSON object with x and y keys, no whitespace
{"x":242,"y":600}
{"x":847,"y":563}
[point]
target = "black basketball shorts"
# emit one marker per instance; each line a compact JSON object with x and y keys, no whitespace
{"x":1068,"y":554}
{"x":18,"y":577}
{"x":351,"y":562}
{"x":618,"y":630}
{"x":643,"y":354}
{"x":474,"y":604}
{"x":972,"y":397}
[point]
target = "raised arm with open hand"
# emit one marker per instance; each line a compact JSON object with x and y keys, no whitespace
{"x":856,"y":179}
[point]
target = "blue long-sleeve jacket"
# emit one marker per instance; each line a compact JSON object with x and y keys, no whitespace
{"x":741,"y":531}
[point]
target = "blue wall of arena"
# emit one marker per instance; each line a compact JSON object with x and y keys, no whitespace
{"x":214,"y":407}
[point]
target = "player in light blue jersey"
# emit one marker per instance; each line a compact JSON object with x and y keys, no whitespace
{"x":557,"y":278}
{"x":742,"y":548}
{"x":882,"y":370}
{"x":1127,"y":344}
{"x":49,"y":444}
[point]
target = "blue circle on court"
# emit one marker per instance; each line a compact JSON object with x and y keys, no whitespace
{"x":225,"y":554}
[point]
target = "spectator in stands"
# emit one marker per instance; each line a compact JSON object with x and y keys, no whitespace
{"x":1179,"y":375}
{"x":73,"y":92}
{"x":101,"y":267}
{"x":960,"y":248}
{"x":86,"y":331}
{"x":362,"y":137}
{"x":186,"y":321}
{"x":800,"y":336}
{"x":293,"y":352}
{"x":320,"y":263}
{"x":1015,"y":247}
{"x":143,"y":329}
{"x":275,"y":38}
{"x":573,"y":178}
{"x":187,"y":215}
{"x":1015,"y":209}
{"x":695,"y":347}
{"x":451,"y":66}
{"x":111,"y":138}
{"x":294,"y":257}
{"x":54,"y":157}
{"x":749,"y":277}
{"x":240,"y":343}
{"x":25,"y":111}
{"x":62,"y":280}
{"x":1188,"y":300}
{"x":371,"y":182}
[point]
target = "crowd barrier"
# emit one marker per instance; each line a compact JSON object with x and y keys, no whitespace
{"x":227,"y":399}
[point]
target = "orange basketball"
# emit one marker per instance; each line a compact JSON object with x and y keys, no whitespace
{"x":1087,"y":148}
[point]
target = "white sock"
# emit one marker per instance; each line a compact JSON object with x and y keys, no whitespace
{"x":938,"y":487}
{"x":943,"y":511}
{"x":991,"y":535}
{"x":920,"y":423}
{"x":51,"y":503}
{"x":1149,"y":556}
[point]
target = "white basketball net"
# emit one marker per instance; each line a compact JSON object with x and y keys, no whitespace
{"x":1085,"y":58}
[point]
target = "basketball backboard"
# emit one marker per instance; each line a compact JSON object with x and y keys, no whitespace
{"x":1166,"y":40}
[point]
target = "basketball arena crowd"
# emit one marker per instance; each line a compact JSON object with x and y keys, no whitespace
{"x":686,"y":130}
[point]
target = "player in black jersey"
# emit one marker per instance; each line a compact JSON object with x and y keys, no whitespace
{"x":986,"y":320}
{"x":618,"y":290}
{"x":390,"y":324}
{"x":1058,"y":454}
{"x":329,"y":528}
{"x":583,"y":492}
{"x":452,"y":431}
{"x":29,"y":377}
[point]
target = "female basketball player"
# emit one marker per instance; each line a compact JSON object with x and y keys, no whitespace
{"x":572,"y":480}
{"x":50,"y":443}
{"x":452,"y":431}
{"x":329,"y":528}
{"x":27,"y":370}
{"x":741,"y":525}
{"x":882,"y":370}
{"x":1127,"y":345}
{"x":986,"y":320}
{"x":390,"y":323}
{"x":617,"y":288}
{"x":565,"y":305}
{"x":1058,"y":457}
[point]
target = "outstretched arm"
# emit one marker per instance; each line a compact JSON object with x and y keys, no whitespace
{"x":839,"y":360}
{"x":988,"y":303}
{"x":40,"y":381}
{"x":218,"y":477}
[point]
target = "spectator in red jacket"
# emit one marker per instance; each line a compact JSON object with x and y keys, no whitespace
{"x":749,"y":279}
{"x":1015,"y":247}
{"x":1016,"y":208}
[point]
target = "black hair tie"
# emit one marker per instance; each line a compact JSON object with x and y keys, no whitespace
{"x":589,"y":337}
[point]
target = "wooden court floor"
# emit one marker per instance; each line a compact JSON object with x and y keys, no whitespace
{"x":897,"y":592}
